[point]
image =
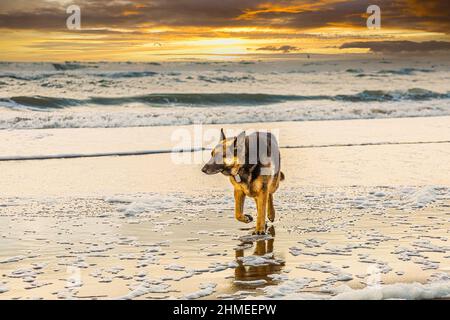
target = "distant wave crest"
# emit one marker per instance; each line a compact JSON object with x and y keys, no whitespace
{"x":217,"y":99}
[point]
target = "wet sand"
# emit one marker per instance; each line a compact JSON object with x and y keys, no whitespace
{"x":141,"y":227}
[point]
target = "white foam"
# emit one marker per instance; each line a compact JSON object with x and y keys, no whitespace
{"x":321,"y":267}
{"x":250,"y":283}
{"x":175,"y":267}
{"x":278,"y":277}
{"x":12,"y":259}
{"x":220,"y":266}
{"x":146,"y":287}
{"x":286,"y":288}
{"x":151,"y":204}
{"x":3,"y":288}
{"x":206,"y":289}
{"x":22,"y":273}
{"x":295,"y":251}
{"x":422,"y":197}
{"x":256,"y":261}
{"x":400,"y":198}
{"x":130,"y":116}
{"x":408,"y":291}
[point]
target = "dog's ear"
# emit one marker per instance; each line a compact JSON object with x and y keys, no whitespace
{"x":222,"y":135}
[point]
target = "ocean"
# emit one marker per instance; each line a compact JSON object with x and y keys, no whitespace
{"x":130,"y":94}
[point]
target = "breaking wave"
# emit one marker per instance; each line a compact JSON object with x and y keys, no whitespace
{"x":126,"y":74}
{"x":405,"y":71}
{"x":217,"y":99}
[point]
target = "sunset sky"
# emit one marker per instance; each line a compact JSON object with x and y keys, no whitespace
{"x":139,"y":30}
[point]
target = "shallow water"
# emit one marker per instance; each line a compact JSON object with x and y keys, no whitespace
{"x":92,"y":248}
{"x":356,"y":217}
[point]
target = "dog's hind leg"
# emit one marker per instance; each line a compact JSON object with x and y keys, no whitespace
{"x":261,"y":205}
{"x":271,"y":209}
{"x":239,"y":199}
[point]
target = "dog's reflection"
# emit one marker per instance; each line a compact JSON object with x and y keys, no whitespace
{"x":269,"y":264}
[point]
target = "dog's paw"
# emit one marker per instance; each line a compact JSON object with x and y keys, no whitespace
{"x":245,"y":218}
{"x":271,"y":219}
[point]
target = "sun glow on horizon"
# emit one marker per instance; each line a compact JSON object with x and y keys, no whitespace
{"x":267,"y":28}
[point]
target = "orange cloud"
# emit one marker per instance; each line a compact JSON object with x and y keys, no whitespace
{"x":130,"y":13}
{"x":268,"y":8}
{"x":131,"y":28}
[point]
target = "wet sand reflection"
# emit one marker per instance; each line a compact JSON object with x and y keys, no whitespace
{"x":246,"y":271}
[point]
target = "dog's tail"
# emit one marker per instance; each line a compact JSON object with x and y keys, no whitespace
{"x":281,"y":176}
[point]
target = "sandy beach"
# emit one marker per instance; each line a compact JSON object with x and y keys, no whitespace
{"x":363,"y":213}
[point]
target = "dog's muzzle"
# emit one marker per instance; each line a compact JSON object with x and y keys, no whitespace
{"x":211,"y":169}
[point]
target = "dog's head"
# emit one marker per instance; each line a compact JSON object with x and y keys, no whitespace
{"x":226,"y":157}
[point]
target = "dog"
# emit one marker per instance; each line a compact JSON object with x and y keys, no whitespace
{"x":253,"y":165}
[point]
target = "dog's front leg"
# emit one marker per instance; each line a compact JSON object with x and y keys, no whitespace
{"x":261,"y":206}
{"x":239,"y":199}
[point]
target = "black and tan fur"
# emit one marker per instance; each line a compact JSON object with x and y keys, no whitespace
{"x":251,"y":174}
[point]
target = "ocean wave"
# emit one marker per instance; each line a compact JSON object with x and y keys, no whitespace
{"x":126,"y":74}
{"x":386,"y":73}
{"x":218,"y":99}
{"x":396,"y":95}
{"x":405,"y":71}
{"x":354,"y":71}
{"x":194,"y":99}
{"x":71,"y":66}
{"x":38,"y":102}
{"x":225,"y":79}
{"x":69,"y":71}
{"x":27,"y":77}
{"x":145,"y":116}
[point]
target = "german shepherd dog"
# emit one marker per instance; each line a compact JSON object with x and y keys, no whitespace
{"x":252,"y":163}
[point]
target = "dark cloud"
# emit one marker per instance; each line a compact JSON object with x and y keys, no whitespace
{"x":399,"y":46}
{"x":402,"y":14}
{"x":431,"y":15}
{"x":133,"y":13}
{"x":436,"y":8}
{"x":284,"y":49}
